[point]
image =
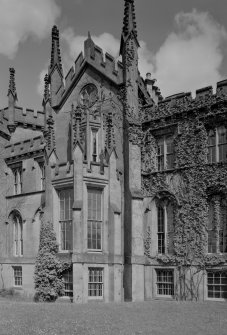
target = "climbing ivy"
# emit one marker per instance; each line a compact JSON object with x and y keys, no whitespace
{"x":191,"y":182}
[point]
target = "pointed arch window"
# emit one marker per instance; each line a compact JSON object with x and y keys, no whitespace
{"x":223,"y":227}
{"x":17,"y":174}
{"x":211,"y":231}
{"x":165,"y":227}
{"x":18,"y":234}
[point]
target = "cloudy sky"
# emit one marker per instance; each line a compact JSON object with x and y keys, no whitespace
{"x":183,"y":43}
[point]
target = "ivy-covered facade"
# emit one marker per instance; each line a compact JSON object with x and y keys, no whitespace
{"x":128,"y":189}
{"x":185,"y":186}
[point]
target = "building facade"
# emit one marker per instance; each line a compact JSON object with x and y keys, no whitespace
{"x":135,"y":185}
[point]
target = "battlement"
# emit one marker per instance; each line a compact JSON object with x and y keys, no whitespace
{"x":181,"y":102}
{"x":105,"y":63}
{"x":25,"y":147}
{"x":28,"y":118}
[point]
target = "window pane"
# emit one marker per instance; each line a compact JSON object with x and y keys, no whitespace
{"x":161,"y":230}
{"x":18,"y":276}
{"x":217,"y":284}
{"x":222,"y":144}
{"x":95,"y":283}
{"x":68,"y":283}
{"x":165,"y":282}
{"x":94,"y":226}
{"x":160,"y":156}
{"x":66,"y":231}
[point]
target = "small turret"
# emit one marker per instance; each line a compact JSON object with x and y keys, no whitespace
{"x":12,"y":98}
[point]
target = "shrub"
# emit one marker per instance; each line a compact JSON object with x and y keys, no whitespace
{"x":48,"y":268}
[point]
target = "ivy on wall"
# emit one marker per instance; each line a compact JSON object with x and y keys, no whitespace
{"x":191,"y":183}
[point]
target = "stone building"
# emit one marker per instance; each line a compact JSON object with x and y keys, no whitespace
{"x":135,"y":185}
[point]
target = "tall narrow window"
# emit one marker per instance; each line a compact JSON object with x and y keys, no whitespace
{"x":94,"y":225}
{"x":18,"y":235}
{"x":17,"y":173}
{"x":68,"y":283}
{"x":170,"y":227}
{"x":217,"y":145}
{"x":212,"y":245}
{"x":165,"y":154}
{"x":43,"y":176}
{"x":160,"y":155}
{"x":95,"y":282}
{"x":222,"y":144}
{"x":223,"y":227}
{"x":211,"y":146}
{"x":94,"y":145}
{"x":17,"y":275}
{"x":161,"y":230}
{"x":169,"y":153}
{"x":66,"y":202}
{"x":165,"y":227}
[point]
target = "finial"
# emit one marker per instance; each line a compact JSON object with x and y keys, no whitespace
{"x":46,"y":94}
{"x":76,"y":124}
{"x":12,"y":85}
{"x":89,"y":35}
{"x":55,"y":49}
{"x":129,"y":22}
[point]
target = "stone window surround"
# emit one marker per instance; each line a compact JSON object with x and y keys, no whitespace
{"x":98,"y":222}
{"x":164,"y":203}
{"x":155,"y":278}
{"x":214,"y":144}
{"x":214,"y":270}
{"x":96,"y":285}
{"x":65,"y":221}
{"x":18,"y":276}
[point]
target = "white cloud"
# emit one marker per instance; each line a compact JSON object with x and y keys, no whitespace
{"x":20,"y":19}
{"x":190,"y":58}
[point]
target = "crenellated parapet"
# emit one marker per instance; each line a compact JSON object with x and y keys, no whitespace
{"x":25,"y":118}
{"x":94,"y":57}
{"x":24,"y":149}
{"x":103,"y":62}
{"x":183,"y":102}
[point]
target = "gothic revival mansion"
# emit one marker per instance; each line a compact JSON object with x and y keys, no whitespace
{"x":135,"y":185}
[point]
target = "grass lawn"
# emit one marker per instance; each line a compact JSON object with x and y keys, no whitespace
{"x":155,"y":318}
